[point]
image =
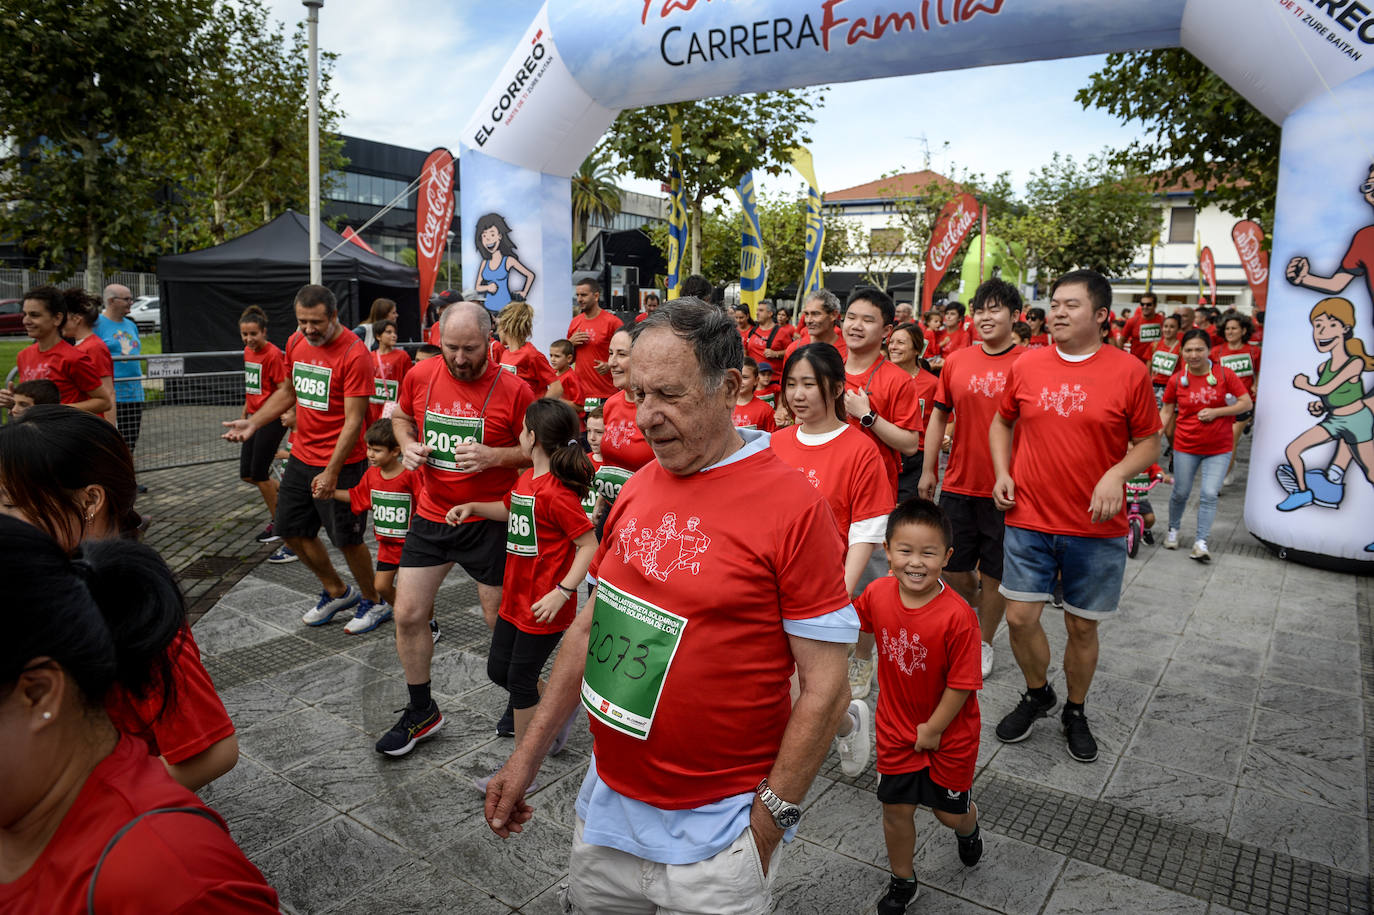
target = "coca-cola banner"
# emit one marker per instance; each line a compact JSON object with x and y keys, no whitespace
{"x":433,"y":216}
{"x":953,"y":224}
{"x":1207,"y":267}
{"x":1249,"y":239}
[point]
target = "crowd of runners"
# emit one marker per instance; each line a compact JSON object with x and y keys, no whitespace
{"x":732,"y":525}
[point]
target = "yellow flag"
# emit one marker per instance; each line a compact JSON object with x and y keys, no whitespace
{"x":812,"y":278}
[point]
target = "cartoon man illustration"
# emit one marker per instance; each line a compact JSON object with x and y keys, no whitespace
{"x":1357,"y":260}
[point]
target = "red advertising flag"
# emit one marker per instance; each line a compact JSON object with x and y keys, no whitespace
{"x":1249,"y":239}
{"x":433,"y":216}
{"x":1207,"y":264}
{"x":957,"y":217}
{"x":350,"y":235}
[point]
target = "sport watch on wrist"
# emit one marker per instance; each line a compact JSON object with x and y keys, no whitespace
{"x":868,"y":419}
{"x":785,"y":813}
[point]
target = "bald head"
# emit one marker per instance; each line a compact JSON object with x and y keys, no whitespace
{"x":118,"y":300}
{"x":464,"y":334}
{"x":466,"y":313}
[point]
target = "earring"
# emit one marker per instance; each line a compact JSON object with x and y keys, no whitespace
{"x":47,"y":716}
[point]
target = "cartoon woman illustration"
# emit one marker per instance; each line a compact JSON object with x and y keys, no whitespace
{"x":1349,"y":419}
{"x":492,"y":237}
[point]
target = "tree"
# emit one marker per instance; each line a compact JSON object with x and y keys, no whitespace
{"x":722,"y":140}
{"x":878,"y":254}
{"x":83,"y":92}
{"x":1106,"y":210}
{"x":1197,"y":129}
{"x":1035,"y":238}
{"x":594,"y":193}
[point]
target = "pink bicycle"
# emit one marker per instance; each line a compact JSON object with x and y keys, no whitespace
{"x":1137,"y":488}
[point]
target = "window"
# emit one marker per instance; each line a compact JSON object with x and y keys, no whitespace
{"x":1182,"y":225}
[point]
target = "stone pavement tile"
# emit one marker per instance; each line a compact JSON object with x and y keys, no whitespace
{"x":420,"y":814}
{"x":1310,"y":831}
{"x":849,"y":821}
{"x":1205,"y":753}
{"x":1143,"y":626}
{"x":1223,"y":655}
{"x":1337,"y":677}
{"x":1146,"y":608}
{"x":811,"y":879}
{"x":349,"y":777}
{"x":546,"y":903}
{"x":327,"y":865}
{"x":254,"y":594}
{"x":314,"y":682}
{"x":1170,"y":794}
{"x":1043,"y":758}
{"x":1085,"y":889}
{"x":294,"y":738}
{"x":1310,"y":737}
{"x":1249,"y":635}
{"x":379,"y":653}
{"x":457,"y":672}
{"x":417,"y":888}
{"x":1012,"y":877}
{"x":1197,"y":710}
{"x":1326,"y":615}
{"x":217,"y":633}
{"x":558,"y":802}
{"x":1306,"y":701}
{"x":1292,"y":645}
{"x":1212,"y":682}
{"x":491,"y":755}
{"x":256,"y":702}
{"x":1336,"y":783}
{"x":514,"y":870}
{"x":490,"y":700}
{"x":261,"y":808}
{"x":1130,"y":665}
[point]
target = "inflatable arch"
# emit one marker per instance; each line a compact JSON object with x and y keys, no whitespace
{"x":1304,"y":63}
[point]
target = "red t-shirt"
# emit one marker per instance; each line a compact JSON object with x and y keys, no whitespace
{"x":392,"y":503}
{"x":754,"y":415}
{"x":1074,"y":421}
{"x":681,"y":544}
{"x":99,"y":354}
{"x":559,"y":519}
{"x":323,"y":376}
{"x":926,"y":384}
{"x":1141,"y":332}
{"x":389,"y":371}
{"x":1164,"y":360}
{"x":1192,"y":435}
{"x":446,"y":412}
{"x":169,"y":862}
{"x":64,"y":365}
{"x":432,"y":335}
{"x":756,"y":344}
{"x":954,"y":340}
{"x":1245,"y":362}
{"x":191,"y":722}
{"x":1038,"y":341}
{"x":846,"y":470}
{"x":971,"y":387}
{"x":932,"y":344}
{"x":572,"y":389}
{"x":263,"y":373}
{"x":623,"y":445}
{"x":529,"y":365}
{"x":921,"y":653}
{"x":893,"y":394}
{"x":597,"y":349}
{"x":804,"y":339}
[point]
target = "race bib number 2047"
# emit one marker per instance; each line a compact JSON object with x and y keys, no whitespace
{"x":629,"y":653}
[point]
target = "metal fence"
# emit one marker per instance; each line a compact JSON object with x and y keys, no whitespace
{"x":15,"y":281}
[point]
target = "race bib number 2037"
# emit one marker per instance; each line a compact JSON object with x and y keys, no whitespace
{"x":629,"y":653}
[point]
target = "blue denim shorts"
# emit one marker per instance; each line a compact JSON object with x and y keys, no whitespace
{"x":1092,"y":567}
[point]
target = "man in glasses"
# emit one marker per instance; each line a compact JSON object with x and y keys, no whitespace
{"x":120,"y":334}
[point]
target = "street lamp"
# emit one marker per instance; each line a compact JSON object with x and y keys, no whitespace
{"x":448,"y":260}
{"x":313,"y":31}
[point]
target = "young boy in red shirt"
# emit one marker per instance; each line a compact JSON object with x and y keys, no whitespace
{"x":929,"y":672}
{"x":750,"y":412}
{"x":565,"y":386}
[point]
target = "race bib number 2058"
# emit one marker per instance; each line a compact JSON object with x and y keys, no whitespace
{"x":629,"y":653}
{"x":312,"y":385}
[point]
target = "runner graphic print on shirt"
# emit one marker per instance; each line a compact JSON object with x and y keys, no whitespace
{"x":653,"y":548}
{"x":1065,"y":401}
{"x":906,"y":651}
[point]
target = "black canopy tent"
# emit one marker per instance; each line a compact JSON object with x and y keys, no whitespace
{"x":204,"y":292}
{"x":630,"y":248}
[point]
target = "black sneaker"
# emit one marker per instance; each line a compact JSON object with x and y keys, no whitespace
{"x":1149,"y":536}
{"x":971,"y":847}
{"x":506,"y":726}
{"x":899,"y":895}
{"x":1016,"y":726}
{"x":413,"y":727}
{"x":268,"y":535}
{"x":1082,"y":747}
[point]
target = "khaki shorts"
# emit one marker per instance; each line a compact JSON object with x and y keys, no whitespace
{"x":607,"y":881}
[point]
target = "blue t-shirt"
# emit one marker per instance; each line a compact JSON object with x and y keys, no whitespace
{"x":122,"y":339}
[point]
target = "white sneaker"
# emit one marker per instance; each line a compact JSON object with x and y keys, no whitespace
{"x":1228,"y":479}
{"x":987,"y":660}
{"x":368,"y":617}
{"x":1200,"y":551}
{"x":434,"y":632}
{"x":853,"y":747}
{"x":324,"y":611}
{"x":860,"y":677}
{"x":1171,"y":540}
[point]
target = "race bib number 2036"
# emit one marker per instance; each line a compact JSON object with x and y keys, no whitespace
{"x":629,"y":653}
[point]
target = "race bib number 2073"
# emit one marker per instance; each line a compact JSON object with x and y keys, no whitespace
{"x":629,"y":653}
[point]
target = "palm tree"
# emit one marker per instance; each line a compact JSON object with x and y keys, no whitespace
{"x":593,"y":193}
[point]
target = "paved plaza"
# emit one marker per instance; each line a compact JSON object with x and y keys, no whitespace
{"x":1231,"y":705}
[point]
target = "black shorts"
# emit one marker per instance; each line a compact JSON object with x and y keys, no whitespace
{"x":910,"y":477}
{"x":917,"y":789}
{"x":478,"y":546}
{"x":387,"y":566}
{"x":300,"y":514}
{"x":129,"y":420}
{"x":978,"y":527}
{"x":256,"y":454}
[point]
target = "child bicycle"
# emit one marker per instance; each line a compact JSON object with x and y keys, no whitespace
{"x":1137,"y":488}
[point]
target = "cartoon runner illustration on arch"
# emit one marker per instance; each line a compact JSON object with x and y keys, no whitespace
{"x":1339,"y":385}
{"x":492,"y":237}
{"x":1358,"y":259}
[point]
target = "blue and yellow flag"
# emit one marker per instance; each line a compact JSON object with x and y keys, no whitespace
{"x":812,"y":278}
{"x":753,"y":272}
{"x":677,"y":214}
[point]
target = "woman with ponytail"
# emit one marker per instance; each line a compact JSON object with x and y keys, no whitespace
{"x":549,"y":547}
{"x":88,"y":820}
{"x":70,"y":474}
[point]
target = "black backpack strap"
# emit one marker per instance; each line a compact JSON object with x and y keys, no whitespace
{"x":109,"y":846}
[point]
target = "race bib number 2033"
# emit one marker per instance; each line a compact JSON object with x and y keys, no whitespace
{"x":629,"y":653}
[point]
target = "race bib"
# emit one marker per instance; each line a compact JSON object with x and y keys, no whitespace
{"x":629,"y":653}
{"x":608,"y":481}
{"x":1149,"y":333}
{"x":768,"y":399}
{"x":591,"y":403}
{"x":521,"y":537}
{"x":312,"y":385}
{"x":384,"y":390}
{"x":508,"y":368}
{"x":1239,"y":363}
{"x":445,"y":433}
{"x":589,"y":501}
{"x":252,"y":377}
{"x":1162,"y":363}
{"x":390,"y":513}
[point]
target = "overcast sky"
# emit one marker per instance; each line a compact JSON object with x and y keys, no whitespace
{"x":410,"y":72}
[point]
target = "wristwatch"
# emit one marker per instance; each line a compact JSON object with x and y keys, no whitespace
{"x":785,"y":813}
{"x":868,"y":419}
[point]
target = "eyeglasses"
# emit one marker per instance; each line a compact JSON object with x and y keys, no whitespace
{"x":1367,"y":186}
